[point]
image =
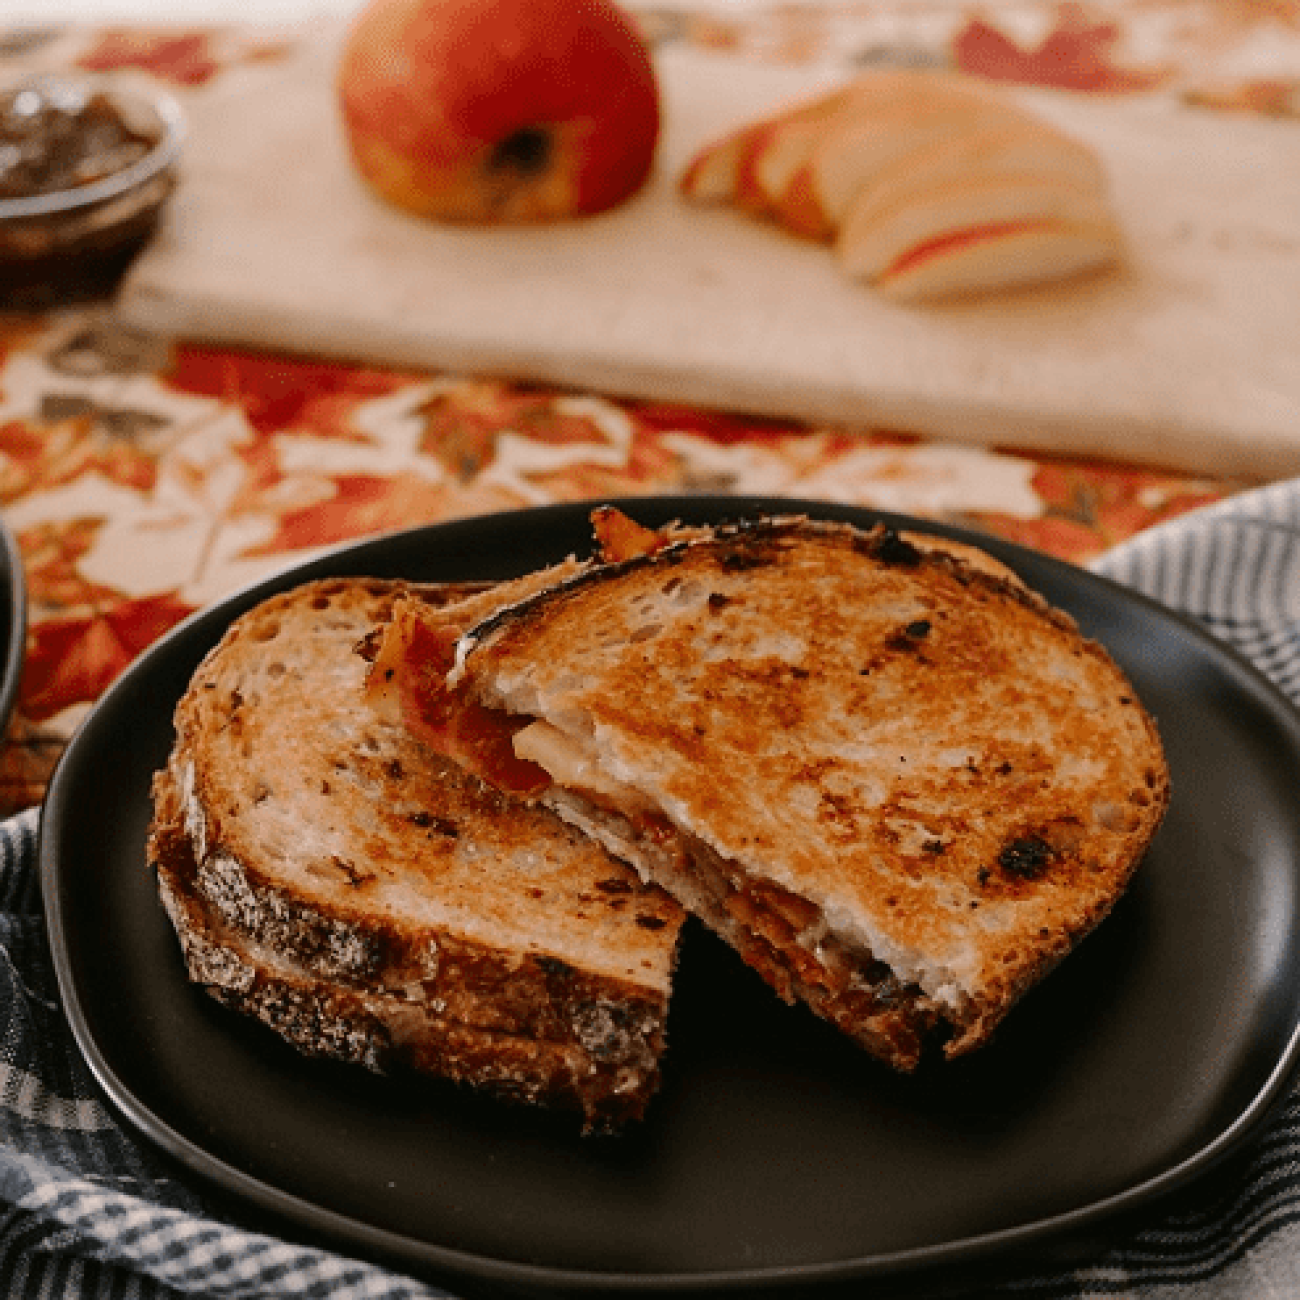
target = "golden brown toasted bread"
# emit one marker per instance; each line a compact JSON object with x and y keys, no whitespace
{"x":896,"y":780}
{"x":349,"y":878}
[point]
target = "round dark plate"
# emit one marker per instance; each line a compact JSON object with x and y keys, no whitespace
{"x":13,"y":623}
{"x":776,"y":1152}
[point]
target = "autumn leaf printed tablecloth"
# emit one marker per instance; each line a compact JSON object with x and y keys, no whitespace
{"x":143,"y":483}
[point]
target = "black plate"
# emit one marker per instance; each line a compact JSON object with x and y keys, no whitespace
{"x":776,"y":1151}
{"x":13,"y":623}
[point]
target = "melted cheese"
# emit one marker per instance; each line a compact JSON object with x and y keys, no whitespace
{"x":572,"y":766}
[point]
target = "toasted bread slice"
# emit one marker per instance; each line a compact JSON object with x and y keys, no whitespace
{"x":899,"y":783}
{"x":391,"y":883}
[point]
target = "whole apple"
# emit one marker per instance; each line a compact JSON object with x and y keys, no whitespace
{"x":499,"y":110}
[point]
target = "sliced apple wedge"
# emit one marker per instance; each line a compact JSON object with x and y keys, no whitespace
{"x":881,"y":118}
{"x":1022,"y":151}
{"x":909,"y":172}
{"x":710,"y":176}
{"x":754,"y":164}
{"x":778,"y":148}
{"x":848,"y":158}
{"x":994,"y":259}
{"x":714,"y":173}
{"x":868,"y":147}
{"x":878,"y":239}
{"x":784,"y":148}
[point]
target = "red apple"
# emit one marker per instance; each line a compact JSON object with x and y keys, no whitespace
{"x":499,"y":110}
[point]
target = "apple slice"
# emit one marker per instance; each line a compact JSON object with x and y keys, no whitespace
{"x":1022,"y":149}
{"x":847,"y":158}
{"x":992,"y":259}
{"x":711,"y":175}
{"x":845,"y":161}
{"x":868,"y":147}
{"x":755,"y":165}
{"x":885,"y":118}
{"x":876,"y":237}
{"x":926,"y":183}
{"x":781,"y":149}
{"x":778,"y":148}
{"x":721,"y":171}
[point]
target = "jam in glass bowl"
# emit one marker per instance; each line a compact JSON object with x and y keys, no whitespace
{"x":85,"y":170}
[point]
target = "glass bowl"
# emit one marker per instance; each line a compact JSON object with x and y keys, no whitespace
{"x":86,"y":167}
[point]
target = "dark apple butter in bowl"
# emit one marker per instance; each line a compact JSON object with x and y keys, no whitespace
{"x":85,"y":170}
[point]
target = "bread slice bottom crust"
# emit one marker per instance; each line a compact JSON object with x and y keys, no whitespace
{"x":383,"y":1030}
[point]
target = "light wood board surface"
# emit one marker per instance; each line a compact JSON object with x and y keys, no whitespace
{"x":1189,"y":357}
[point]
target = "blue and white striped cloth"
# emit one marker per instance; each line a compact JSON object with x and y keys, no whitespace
{"x":87,"y":1211}
{"x":1236,"y":567}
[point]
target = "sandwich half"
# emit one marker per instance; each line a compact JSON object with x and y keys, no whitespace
{"x":897,"y":781}
{"x":370,"y":901}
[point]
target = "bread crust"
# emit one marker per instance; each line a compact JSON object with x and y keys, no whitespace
{"x":383,"y":1031}
{"x":378,"y":904}
{"x":914,"y":742}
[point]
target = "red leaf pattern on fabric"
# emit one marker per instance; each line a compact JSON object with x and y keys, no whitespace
{"x":185,"y":58}
{"x":74,"y":660}
{"x":1077,"y":54}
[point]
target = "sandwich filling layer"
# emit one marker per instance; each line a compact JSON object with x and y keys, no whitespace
{"x":785,"y":937}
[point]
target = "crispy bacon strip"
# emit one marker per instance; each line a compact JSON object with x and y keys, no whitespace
{"x":620,"y":538}
{"x":409,"y":673}
{"x":416,"y":650}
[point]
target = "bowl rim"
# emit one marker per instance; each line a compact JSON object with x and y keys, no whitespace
{"x":172,"y":119}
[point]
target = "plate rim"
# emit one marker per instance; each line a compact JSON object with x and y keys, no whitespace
{"x":371,"y":1241}
{"x":13,"y":654}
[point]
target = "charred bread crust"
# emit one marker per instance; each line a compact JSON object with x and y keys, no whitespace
{"x":507,"y":990}
{"x":608,"y":1075}
{"x":493,"y":989}
{"x":751,"y":544}
{"x":1018,"y":782}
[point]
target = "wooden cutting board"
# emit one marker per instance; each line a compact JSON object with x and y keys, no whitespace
{"x":1190,"y":357}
